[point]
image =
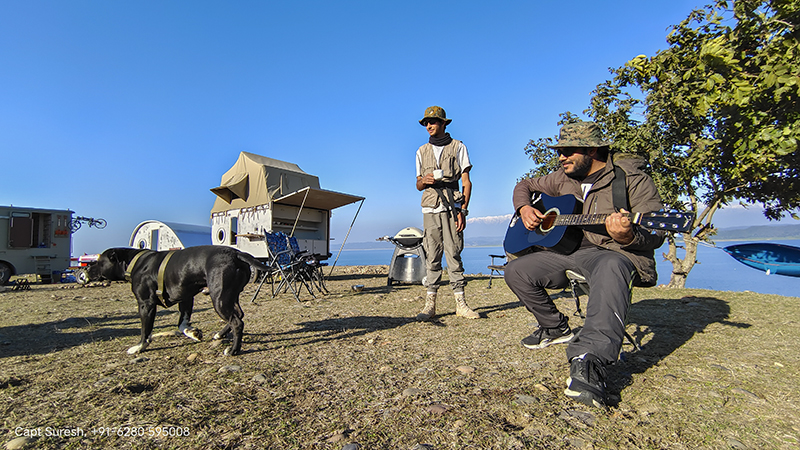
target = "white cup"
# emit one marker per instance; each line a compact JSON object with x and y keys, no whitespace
{"x":438,"y":174}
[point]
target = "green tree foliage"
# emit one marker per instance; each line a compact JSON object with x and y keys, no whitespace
{"x":716,"y":115}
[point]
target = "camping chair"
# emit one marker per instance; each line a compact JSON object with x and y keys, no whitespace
{"x":579,"y":286}
{"x":311,"y":267}
{"x":274,"y":269}
{"x":293,"y":269}
{"x":495,"y":268}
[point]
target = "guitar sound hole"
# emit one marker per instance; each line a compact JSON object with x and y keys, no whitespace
{"x":549,"y":222}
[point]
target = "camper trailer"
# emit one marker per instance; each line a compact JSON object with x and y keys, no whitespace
{"x":34,"y":241}
{"x":259,"y":195}
{"x":160,"y":236}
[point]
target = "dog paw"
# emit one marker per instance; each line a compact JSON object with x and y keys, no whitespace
{"x":218,"y":336}
{"x":135,"y":349}
{"x":194,"y":334}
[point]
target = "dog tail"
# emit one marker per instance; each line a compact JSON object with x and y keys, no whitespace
{"x":252,"y":261}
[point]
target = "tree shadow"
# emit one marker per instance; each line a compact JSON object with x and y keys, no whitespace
{"x":670,"y":323}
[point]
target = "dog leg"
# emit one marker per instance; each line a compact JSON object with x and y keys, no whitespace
{"x":228,"y":309}
{"x":147,"y":313}
{"x":223,"y":332}
{"x":237,"y":326}
{"x":184,"y":321}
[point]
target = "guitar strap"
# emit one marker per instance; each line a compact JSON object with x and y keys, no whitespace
{"x":619,"y":190}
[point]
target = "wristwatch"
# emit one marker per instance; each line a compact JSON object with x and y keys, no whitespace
{"x":464,"y":211}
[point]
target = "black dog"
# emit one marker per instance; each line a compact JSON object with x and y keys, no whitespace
{"x":167,"y":278}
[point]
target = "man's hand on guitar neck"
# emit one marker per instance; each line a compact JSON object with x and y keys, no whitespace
{"x":620,"y":228}
{"x":531,"y":217}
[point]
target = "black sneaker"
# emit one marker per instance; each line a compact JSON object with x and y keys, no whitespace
{"x":544,"y":337}
{"x":587,"y":381}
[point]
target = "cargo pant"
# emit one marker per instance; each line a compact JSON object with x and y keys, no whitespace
{"x":441,"y":237}
{"x":610,"y":276}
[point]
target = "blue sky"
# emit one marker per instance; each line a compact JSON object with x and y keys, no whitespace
{"x":132,"y":111}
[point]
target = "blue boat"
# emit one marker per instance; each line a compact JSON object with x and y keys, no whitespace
{"x":771,"y":258}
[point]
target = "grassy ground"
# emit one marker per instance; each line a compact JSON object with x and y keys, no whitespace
{"x":716,"y":370}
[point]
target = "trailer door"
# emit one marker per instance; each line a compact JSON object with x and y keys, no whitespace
{"x":20,"y":232}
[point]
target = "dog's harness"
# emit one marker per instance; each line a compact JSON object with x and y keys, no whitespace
{"x":161,"y":269}
{"x":129,"y":269}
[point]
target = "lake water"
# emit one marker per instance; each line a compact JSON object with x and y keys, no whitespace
{"x":716,"y":269}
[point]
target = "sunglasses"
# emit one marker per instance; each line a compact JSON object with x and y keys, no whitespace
{"x":433,"y":121}
{"x":568,"y":151}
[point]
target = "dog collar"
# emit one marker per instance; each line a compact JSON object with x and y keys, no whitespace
{"x":129,"y":269}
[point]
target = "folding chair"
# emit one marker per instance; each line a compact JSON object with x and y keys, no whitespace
{"x":579,"y":286}
{"x":495,"y":268}
{"x":310,"y":265}
{"x":293,"y":269}
{"x":274,"y":268}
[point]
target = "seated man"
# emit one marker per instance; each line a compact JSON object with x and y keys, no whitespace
{"x":612,"y":257}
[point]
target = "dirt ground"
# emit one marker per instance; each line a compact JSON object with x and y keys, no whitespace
{"x":351,"y":370}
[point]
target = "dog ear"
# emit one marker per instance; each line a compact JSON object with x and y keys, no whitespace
{"x":111,"y":254}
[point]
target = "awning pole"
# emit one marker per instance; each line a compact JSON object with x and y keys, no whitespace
{"x":297,"y":219}
{"x":346,"y":236}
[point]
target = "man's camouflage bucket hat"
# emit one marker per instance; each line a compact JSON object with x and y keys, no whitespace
{"x":580,"y":134}
{"x":435,"y":112}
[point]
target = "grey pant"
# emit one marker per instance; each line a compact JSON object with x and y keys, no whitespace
{"x":441,"y":237}
{"x":610,"y":277}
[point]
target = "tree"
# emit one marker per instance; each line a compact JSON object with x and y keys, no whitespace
{"x":716,"y":115}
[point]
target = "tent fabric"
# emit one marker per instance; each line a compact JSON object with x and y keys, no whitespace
{"x":236,"y":187}
{"x":318,"y":199}
{"x":255,"y":180}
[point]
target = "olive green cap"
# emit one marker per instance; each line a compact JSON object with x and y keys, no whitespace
{"x":435,"y":112}
{"x":580,"y":134}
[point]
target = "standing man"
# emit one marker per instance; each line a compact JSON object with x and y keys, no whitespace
{"x":441,"y":163}
{"x":613,"y":257}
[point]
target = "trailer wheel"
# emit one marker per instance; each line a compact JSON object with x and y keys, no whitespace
{"x":5,"y":273}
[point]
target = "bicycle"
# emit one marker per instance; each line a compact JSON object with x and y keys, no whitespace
{"x":75,"y":224}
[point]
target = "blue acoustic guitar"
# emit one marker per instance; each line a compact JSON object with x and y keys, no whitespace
{"x":561,"y":228}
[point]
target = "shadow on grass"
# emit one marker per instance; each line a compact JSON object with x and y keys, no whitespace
{"x":672,"y":323}
{"x":340,"y":328}
{"x":46,"y":337}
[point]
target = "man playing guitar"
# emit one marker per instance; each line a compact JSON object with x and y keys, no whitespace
{"x":612,"y":255}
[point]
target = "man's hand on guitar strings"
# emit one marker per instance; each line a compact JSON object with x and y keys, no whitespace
{"x":619,"y":227}
{"x":531,"y":217}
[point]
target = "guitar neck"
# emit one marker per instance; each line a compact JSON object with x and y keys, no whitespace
{"x":592,"y":219}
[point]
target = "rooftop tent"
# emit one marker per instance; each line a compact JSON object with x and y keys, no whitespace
{"x":257,"y":180}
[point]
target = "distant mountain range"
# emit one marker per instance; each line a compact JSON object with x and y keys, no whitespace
{"x":761,"y":232}
{"x":758,"y":232}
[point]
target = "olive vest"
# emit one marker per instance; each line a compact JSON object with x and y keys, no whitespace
{"x":447,"y":188}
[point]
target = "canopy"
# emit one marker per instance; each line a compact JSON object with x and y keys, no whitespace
{"x":317,"y":199}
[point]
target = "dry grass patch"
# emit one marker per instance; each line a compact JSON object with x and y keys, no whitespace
{"x":716,"y":370}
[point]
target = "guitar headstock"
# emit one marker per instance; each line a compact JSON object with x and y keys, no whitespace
{"x":675,"y":221}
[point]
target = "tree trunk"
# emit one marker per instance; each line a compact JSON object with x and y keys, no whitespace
{"x":681,"y":267}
